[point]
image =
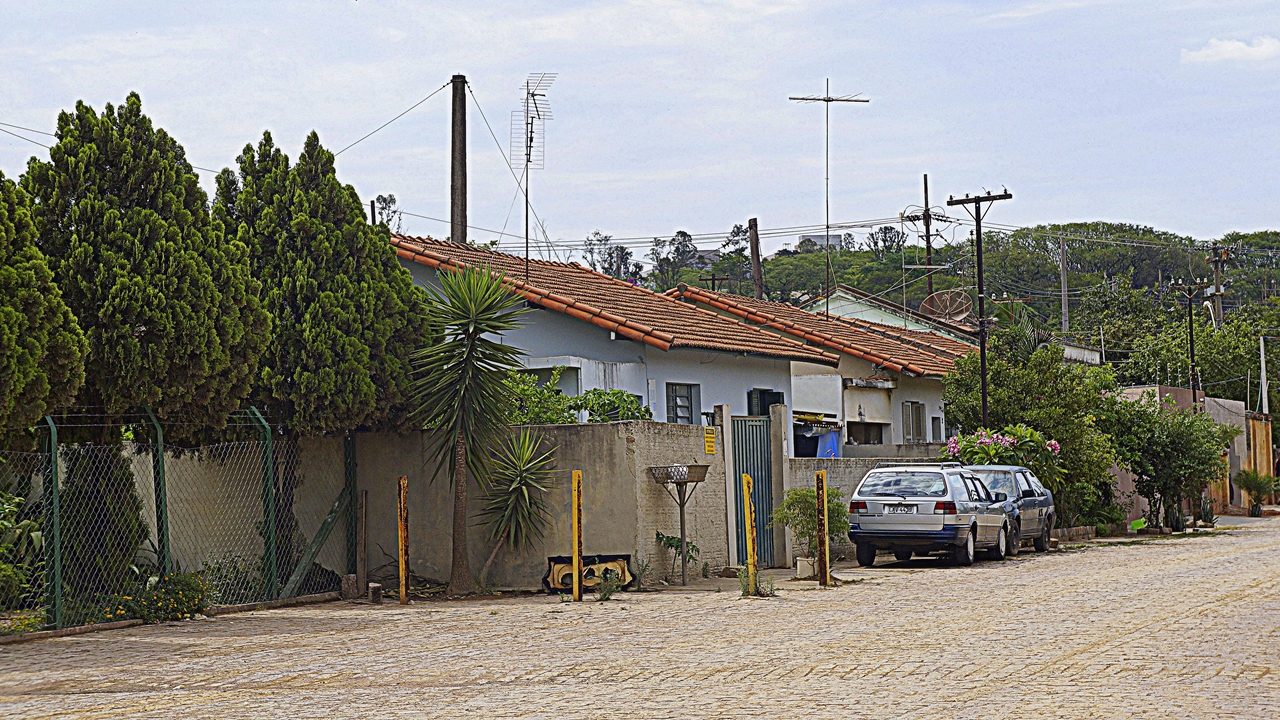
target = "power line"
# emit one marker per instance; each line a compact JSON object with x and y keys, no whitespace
{"x":19,"y":127}
{"x":33,"y":142}
{"x":406,"y":112}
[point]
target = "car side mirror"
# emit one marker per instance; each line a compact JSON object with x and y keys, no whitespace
{"x":999,"y":497}
{"x":1029,"y":494}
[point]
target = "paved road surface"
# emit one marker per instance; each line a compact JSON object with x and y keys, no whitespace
{"x":1185,"y":628}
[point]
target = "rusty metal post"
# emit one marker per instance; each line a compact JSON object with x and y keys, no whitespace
{"x":402,"y":513}
{"x":824,"y":539}
{"x":749,"y":520}
{"x":577,"y":535}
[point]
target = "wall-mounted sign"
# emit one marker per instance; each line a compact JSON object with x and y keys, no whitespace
{"x":709,"y":440}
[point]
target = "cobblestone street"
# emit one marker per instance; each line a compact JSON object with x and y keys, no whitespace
{"x":1183,"y":628}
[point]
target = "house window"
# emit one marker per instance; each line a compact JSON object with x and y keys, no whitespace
{"x":684,"y":404}
{"x":759,"y":400}
{"x":913,"y":423}
{"x":865,"y":433}
{"x":936,"y":429}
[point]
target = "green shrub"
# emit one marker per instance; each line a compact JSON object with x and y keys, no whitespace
{"x":178,"y":596}
{"x":799,"y":512}
{"x":1257,"y":486}
{"x":609,"y":584}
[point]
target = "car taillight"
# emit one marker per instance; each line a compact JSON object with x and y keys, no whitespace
{"x":857,"y":506}
{"x":945,"y":507}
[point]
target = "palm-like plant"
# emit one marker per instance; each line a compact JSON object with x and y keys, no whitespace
{"x":1258,"y":486}
{"x":458,"y":389}
{"x":515,"y":508}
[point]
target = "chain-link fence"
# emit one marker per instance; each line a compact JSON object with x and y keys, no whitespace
{"x":124,"y":531}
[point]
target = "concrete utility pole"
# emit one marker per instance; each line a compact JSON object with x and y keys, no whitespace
{"x":458,"y":176}
{"x":1062,"y":271}
{"x":1190,"y":289}
{"x":928,"y":237}
{"x":977,"y":214}
{"x":757,"y":270}
{"x":1218,"y":258}
{"x":1262,"y":357}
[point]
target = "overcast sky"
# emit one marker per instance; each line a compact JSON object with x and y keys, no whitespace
{"x":674,"y":115}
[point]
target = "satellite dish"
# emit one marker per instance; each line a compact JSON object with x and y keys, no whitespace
{"x":948,"y":305}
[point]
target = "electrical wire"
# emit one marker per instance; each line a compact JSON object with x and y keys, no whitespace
{"x":33,"y":142}
{"x":19,"y":127}
{"x":406,"y":112}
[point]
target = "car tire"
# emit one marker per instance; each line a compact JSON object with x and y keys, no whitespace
{"x":902,"y":554}
{"x":1042,"y":541}
{"x":1015,"y":541}
{"x":1001,"y":549}
{"x":962,"y":554}
{"x":866,"y":553}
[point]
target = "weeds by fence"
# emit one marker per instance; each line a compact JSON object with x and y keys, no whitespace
{"x":137,"y":530}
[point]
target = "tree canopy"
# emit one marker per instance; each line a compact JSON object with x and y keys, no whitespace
{"x":346,"y":313}
{"x":167,"y":302}
{"x":41,"y":346}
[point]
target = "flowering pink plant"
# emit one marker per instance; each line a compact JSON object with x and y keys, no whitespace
{"x":1014,"y":445}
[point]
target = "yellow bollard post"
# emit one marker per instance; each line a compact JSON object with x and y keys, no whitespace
{"x":824,"y":538}
{"x":577,"y":535}
{"x":402,"y":513}
{"x":749,"y":523}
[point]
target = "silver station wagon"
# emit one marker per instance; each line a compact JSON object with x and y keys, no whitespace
{"x":918,"y":509}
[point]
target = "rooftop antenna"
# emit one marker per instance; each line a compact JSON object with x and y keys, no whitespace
{"x":527,"y":142}
{"x":826,"y":101}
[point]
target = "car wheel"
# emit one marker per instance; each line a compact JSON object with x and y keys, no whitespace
{"x":902,"y":554}
{"x":1042,"y":541}
{"x":1015,"y":540}
{"x":866,"y":554}
{"x":1002,"y":545}
{"x":963,"y":554}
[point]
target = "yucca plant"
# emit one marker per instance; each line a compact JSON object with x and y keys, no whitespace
{"x":458,"y":389}
{"x":1258,"y":487}
{"x":515,"y":510}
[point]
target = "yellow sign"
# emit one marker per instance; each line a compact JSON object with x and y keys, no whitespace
{"x":709,"y":440}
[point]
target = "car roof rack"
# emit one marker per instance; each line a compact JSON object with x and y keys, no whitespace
{"x":894,"y":463}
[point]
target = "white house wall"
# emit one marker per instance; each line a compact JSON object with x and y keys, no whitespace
{"x":551,"y":338}
{"x":877,"y":406}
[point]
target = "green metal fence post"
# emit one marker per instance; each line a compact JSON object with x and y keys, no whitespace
{"x":349,"y":469}
{"x":268,"y":504}
{"x":162,"y":498}
{"x":53,"y":533}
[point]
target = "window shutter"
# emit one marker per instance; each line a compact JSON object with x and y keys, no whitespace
{"x":695,"y":404}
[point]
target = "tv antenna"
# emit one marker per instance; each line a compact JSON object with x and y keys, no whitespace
{"x":826,"y":101}
{"x":528,"y":145}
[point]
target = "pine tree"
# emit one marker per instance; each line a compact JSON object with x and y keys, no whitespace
{"x":169,"y":305}
{"x":41,"y":346}
{"x":346,"y":313}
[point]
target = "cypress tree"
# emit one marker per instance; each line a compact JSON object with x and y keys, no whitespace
{"x":41,"y":346}
{"x":346,"y":313}
{"x":168,"y":303}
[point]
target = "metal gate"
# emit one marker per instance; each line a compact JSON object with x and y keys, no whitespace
{"x":752,"y":455}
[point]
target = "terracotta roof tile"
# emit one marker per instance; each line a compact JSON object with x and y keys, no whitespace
{"x":911,"y":352}
{"x":633,"y":312}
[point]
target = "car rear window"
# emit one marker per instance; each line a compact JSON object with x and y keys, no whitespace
{"x":906,"y":484}
{"x":997,"y":481}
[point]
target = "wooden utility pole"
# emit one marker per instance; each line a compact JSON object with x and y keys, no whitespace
{"x":575,"y":492}
{"x":824,"y":538}
{"x":458,"y":176}
{"x":977,"y":214}
{"x":402,"y":533}
{"x":757,"y":270}
{"x":1062,"y":273}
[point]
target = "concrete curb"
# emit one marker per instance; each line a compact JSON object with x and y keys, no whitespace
{"x":67,"y":632}
{"x":273,"y":604}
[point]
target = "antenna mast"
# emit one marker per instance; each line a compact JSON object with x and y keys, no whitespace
{"x":826,"y":101}
{"x":528,"y":144}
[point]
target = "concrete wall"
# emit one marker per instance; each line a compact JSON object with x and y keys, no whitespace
{"x":622,"y":506}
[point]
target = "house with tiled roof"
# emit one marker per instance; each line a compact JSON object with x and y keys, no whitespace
{"x":850,"y":302}
{"x":886,"y":388}
{"x":680,"y":359}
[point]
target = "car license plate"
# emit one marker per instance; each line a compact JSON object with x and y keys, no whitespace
{"x":900,"y":509}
